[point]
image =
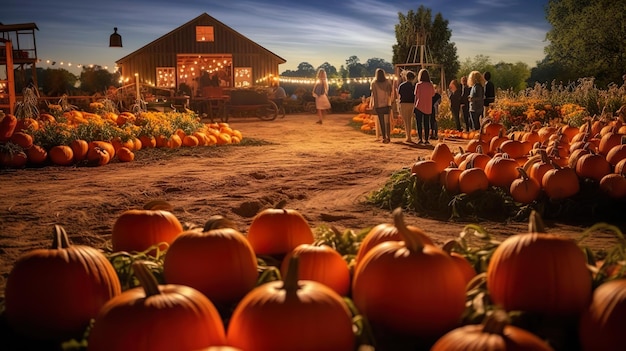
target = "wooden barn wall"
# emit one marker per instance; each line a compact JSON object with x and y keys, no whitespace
{"x":162,"y":52}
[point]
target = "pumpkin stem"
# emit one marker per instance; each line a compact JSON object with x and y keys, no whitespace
{"x":535,"y":223}
{"x":146,"y":278}
{"x":218,"y":222}
{"x":451,"y":245}
{"x":290,"y":281}
{"x":495,"y":322}
{"x":60,"y":239}
{"x":413,"y":242}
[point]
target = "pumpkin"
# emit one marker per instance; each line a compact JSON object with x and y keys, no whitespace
{"x":614,"y":185}
{"x":560,"y":182}
{"x":593,"y":166}
{"x":449,"y":178}
{"x":472,"y":180}
{"x":139,"y":229}
{"x":466,"y":268}
{"x":617,"y":152}
{"x":494,"y":334}
{"x":61,"y":155}
{"x":501,"y":171}
{"x":524,"y":189}
{"x":385,"y":232}
{"x":174,"y":141}
{"x":22,"y":139}
{"x":608,"y":141}
{"x":601,"y":326}
{"x":540,"y":273}
{"x":124,"y":154}
{"x":514,"y":148}
{"x":277,"y":231}
{"x":52,"y":294}
{"x":291,"y":314}
{"x":7,"y":126}
{"x":80,"y":148}
{"x":426,"y":171}
{"x":103,"y":145}
{"x":155,"y":317}
{"x":147,"y":141}
{"x":442,"y":156}
{"x":320,"y":263}
{"x":190,"y":141}
{"x":220,"y":263}
{"x":97,"y":156}
{"x":477,"y":158}
{"x":409,"y":287}
{"x":37,"y":154}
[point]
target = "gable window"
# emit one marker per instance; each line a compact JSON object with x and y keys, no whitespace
{"x":205,"y":33}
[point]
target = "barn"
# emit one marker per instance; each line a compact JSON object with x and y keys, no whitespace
{"x":201,"y":53}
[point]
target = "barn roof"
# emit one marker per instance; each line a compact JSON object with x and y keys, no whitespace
{"x":199,"y":18}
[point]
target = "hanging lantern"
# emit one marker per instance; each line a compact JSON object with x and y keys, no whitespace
{"x":115,"y":40}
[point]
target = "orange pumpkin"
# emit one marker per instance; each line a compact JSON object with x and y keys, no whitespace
{"x":601,"y":325}
{"x":494,"y":334}
{"x":97,"y":156}
{"x":138,"y":230}
{"x":560,"y":182}
{"x":385,"y":232}
{"x":292,"y":314}
{"x":593,"y":166}
{"x":524,"y":189}
{"x":409,"y":287}
{"x":61,"y":155}
{"x":614,"y":185}
{"x":124,"y":154}
{"x":7,"y":127}
{"x":539,"y":273}
{"x":147,"y":141}
{"x":156,"y":317}
{"x":22,"y":139}
{"x":472,"y":180}
{"x":322,"y":264}
{"x":37,"y":154}
{"x":449,"y":178}
{"x":80,"y":148}
{"x":219,"y":262}
{"x":501,"y":171}
{"x":52,"y":294}
{"x":277,"y":231}
{"x":426,"y":171}
{"x":442,"y":156}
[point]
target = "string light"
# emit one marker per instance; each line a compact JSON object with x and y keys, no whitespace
{"x":50,"y":62}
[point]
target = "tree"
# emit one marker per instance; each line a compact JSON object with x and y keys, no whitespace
{"x":504,"y":75}
{"x":374,"y":63}
{"x":438,"y":43}
{"x":331,"y":71}
{"x":355,"y":68}
{"x":96,"y":80}
{"x":55,"y":82}
{"x":588,"y":38}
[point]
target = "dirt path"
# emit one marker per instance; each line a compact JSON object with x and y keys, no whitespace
{"x":323,"y":171}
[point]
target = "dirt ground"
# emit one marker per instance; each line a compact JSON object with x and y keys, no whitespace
{"x":323,"y":171}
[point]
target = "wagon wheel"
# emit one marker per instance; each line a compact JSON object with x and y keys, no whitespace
{"x":311,"y":108}
{"x":268,"y":112}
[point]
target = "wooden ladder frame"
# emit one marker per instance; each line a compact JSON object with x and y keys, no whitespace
{"x":9,"y":83}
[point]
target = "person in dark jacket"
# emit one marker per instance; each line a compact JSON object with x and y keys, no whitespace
{"x":465,"y":91}
{"x":454,"y":94}
{"x":490,"y":91}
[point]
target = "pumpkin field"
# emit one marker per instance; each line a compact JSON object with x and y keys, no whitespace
{"x":238,"y":222}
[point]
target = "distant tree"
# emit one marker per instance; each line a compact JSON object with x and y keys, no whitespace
{"x":306,"y":69}
{"x":589,"y":38}
{"x":504,"y":75}
{"x":331,"y":71}
{"x":56,"y":82}
{"x":96,"y":79}
{"x":372,"y":64}
{"x":548,"y":71}
{"x":355,"y":68}
{"x":438,"y":35}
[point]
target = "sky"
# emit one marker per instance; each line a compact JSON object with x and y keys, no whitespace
{"x":73,"y":33}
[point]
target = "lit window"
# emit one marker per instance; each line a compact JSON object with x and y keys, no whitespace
{"x":166,"y":77}
{"x":243,"y":76}
{"x":204,"y":33}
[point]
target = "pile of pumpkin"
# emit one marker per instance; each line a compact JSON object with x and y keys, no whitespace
{"x":398,"y":290}
{"x":49,"y":140}
{"x":551,"y":160}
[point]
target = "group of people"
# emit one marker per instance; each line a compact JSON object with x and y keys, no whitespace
{"x":420,"y":98}
{"x":471,"y":97}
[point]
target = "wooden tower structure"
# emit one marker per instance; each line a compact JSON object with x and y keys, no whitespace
{"x":18,"y":52}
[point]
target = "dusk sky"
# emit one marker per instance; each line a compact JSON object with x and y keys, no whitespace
{"x":77,"y":33}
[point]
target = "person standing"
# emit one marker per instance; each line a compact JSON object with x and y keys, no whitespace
{"x":490,"y":92}
{"x":382,"y":92}
{"x":320,"y":92}
{"x":476,"y":98}
{"x":406,"y":92}
{"x":434,"y":127}
{"x":465,"y":91}
{"x":454,"y":94}
{"x":424,"y":92}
